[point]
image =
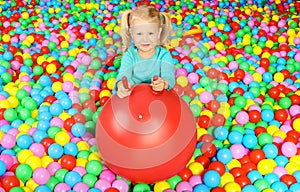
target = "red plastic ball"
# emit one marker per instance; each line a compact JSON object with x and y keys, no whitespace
{"x":254,"y":116}
{"x":218,"y":189}
{"x":112,"y":189}
{"x":46,"y":142}
{"x":243,"y":180}
{"x":274,"y":92}
{"x":213,"y":106}
{"x":257,"y":155}
{"x":218,"y":120}
{"x":204,"y":121}
{"x":68,"y":162}
{"x":132,"y":130}
{"x":9,"y":182}
{"x":68,"y":124}
{"x":185,"y":174}
{"x":237,"y":171}
{"x":281,"y":115}
{"x":217,"y":166}
{"x":203,"y":160}
{"x":288,"y":179}
{"x":208,"y":149}
{"x":79,"y":118}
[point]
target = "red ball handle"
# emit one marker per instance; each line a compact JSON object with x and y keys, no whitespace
{"x":155,"y":77}
{"x":125,"y":82}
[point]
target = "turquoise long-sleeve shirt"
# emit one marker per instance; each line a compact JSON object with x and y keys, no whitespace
{"x":139,"y":70}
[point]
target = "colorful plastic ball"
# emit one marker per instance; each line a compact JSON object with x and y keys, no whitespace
{"x":288,"y":149}
{"x":41,"y":176}
{"x":8,"y":141}
{"x":267,"y":115}
{"x":237,"y":150}
{"x":72,"y":178}
{"x":42,"y":188}
{"x":68,"y":162}
{"x":78,"y":129}
{"x":224,"y":155}
{"x":250,"y":188}
{"x":94,"y":167}
{"x":61,"y":187}
{"x":9,"y":182}
{"x":2,"y":167}
{"x":211,"y":178}
{"x":24,"y":172}
{"x":55,"y":151}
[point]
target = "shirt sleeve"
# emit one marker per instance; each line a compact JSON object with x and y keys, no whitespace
{"x":125,"y":69}
{"x":168,"y":69}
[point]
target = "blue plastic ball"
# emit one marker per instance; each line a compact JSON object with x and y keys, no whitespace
{"x":42,"y":188}
{"x":235,"y":137}
{"x":71,"y":148}
{"x":267,"y":115}
{"x":249,"y":141}
{"x":72,"y":178}
{"x":279,"y":186}
{"x":55,"y":151}
{"x":254,"y":175}
{"x":66,"y":103}
{"x":56,"y":109}
{"x":221,"y":133}
{"x":270,"y":150}
{"x":201,"y":188}
{"x":271,"y":178}
{"x":2,"y":168}
{"x":24,"y":141}
{"x":250,"y":188}
{"x":224,"y":155}
{"x":45,"y":81}
{"x":295,"y":187}
{"x":78,"y":130}
{"x":212,"y":178}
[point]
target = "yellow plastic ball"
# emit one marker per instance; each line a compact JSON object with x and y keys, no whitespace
{"x":232,"y":187}
{"x":281,"y":39}
{"x":68,"y":77}
{"x":82,"y":145}
{"x":207,"y":113}
{"x":94,"y":156}
{"x":219,"y":46}
{"x":57,"y":86}
{"x":31,"y":184}
{"x":46,"y":160}
{"x":295,"y":159}
{"x":266,"y":166}
{"x":226,"y":178}
{"x":34,"y":162}
{"x":278,"y":77}
{"x":51,"y":68}
{"x":104,"y":93}
{"x":233,"y":163}
{"x":296,"y":124}
{"x":25,"y":15}
{"x":23,"y":155}
{"x":111,"y":83}
{"x":200,"y":132}
{"x":280,"y":134}
{"x":161,"y":186}
{"x":24,"y":128}
{"x":182,"y":81}
{"x":196,"y":168}
{"x":257,"y":77}
{"x":13,"y":101}
{"x":62,"y":138}
{"x":6,"y":38}
{"x":257,"y":50}
{"x":268,"y":190}
{"x":81,"y":162}
{"x":292,"y":167}
{"x":64,"y":44}
{"x":64,"y":116}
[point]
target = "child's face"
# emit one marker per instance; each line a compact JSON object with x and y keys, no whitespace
{"x":145,"y":35}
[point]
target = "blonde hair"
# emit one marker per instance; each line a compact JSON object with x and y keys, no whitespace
{"x":145,"y":13}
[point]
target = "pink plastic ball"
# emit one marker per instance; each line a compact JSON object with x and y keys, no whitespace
{"x":8,"y":160}
{"x":53,"y":167}
{"x":41,"y":176}
{"x":242,"y":117}
{"x":37,"y":149}
{"x":67,"y":86}
{"x":193,"y":78}
{"x":108,"y":176}
{"x":82,"y":187}
{"x":205,"y":97}
{"x":80,"y":170}
{"x":195,"y":180}
{"x":289,"y":149}
{"x":279,"y":171}
{"x":86,"y":60}
{"x":102,"y":184}
{"x":297,"y":57}
{"x":181,"y":72}
{"x":237,"y":150}
{"x":8,"y":141}
{"x":62,"y":187}
{"x":121,"y":185}
{"x":294,"y":110}
{"x":183,"y":186}
{"x":56,"y":121}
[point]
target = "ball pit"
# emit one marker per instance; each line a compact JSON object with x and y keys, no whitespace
{"x":237,"y":66}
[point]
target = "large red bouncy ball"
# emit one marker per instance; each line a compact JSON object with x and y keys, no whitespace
{"x":148,"y":136}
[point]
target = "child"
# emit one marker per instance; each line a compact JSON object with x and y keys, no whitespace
{"x":140,"y":63}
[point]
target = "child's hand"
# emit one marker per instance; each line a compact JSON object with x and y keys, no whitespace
{"x":159,"y":84}
{"x":122,"y":91}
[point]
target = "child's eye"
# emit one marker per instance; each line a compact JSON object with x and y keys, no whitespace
{"x":139,"y":33}
{"x":151,"y":33}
